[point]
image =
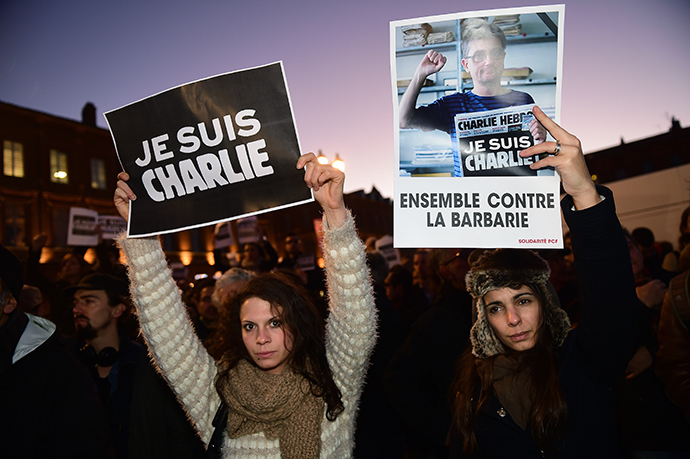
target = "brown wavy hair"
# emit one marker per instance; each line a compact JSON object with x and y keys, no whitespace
{"x":549,"y":412}
{"x":299,"y":318}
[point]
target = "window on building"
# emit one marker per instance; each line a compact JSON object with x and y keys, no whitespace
{"x":13,"y":159}
{"x":98,"y":181}
{"x":15,"y":224}
{"x":58,"y":167}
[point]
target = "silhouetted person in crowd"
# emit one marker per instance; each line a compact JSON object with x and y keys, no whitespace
{"x":379,"y":431}
{"x":420,"y":374}
{"x":672,"y":364}
{"x":422,"y":277}
{"x":407,"y":299}
{"x":208,"y":313}
{"x":304,"y":266}
{"x":651,"y":250}
{"x":259,"y":257}
{"x":49,"y":407}
{"x":649,"y":425}
{"x":31,"y":301}
{"x":101,"y":306}
{"x":71,"y":269}
{"x":670,"y":261}
{"x":108,"y":260}
{"x":292,"y":252}
{"x":684,"y":226}
{"x":564,"y":280}
{"x":228,"y":285}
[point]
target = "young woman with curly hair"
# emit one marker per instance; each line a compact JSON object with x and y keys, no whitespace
{"x":290,"y":390}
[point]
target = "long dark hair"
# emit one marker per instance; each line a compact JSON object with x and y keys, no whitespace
{"x":549,"y":411}
{"x":300,"y":319}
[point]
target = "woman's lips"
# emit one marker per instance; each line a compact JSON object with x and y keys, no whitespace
{"x":519,"y":336}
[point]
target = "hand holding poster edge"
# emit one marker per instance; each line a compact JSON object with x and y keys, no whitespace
{"x":327,"y":183}
{"x":566,"y":156}
{"x":123,"y":197}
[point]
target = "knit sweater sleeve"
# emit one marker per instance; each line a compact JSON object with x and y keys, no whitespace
{"x":351,"y":327}
{"x":169,"y":333}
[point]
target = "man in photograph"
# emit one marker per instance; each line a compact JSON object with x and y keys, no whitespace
{"x":484,"y":51}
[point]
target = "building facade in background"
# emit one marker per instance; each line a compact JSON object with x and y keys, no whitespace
{"x":51,"y":164}
{"x":650,"y":179}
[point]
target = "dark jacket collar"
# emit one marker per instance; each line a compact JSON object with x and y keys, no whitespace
{"x":10,"y":333}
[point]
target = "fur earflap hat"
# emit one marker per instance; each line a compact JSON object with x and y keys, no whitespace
{"x":500,"y":268}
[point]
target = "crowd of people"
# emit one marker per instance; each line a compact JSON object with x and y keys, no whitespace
{"x":453,"y":352}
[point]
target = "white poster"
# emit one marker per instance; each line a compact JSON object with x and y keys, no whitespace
{"x":81,"y":230}
{"x":222,"y":236}
{"x":111,"y":226}
{"x":463,"y":89}
{"x":248,"y":230}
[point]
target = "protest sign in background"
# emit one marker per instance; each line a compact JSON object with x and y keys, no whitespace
{"x":81,"y":230}
{"x":222,"y":236}
{"x":111,"y":226}
{"x":210,"y":151}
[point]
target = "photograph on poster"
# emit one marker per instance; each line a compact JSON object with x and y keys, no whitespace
{"x":449,"y":66}
{"x":464,"y":90}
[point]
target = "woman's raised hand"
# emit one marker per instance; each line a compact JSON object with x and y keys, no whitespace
{"x":123,"y":194}
{"x":327,"y":183}
{"x":565,"y":155}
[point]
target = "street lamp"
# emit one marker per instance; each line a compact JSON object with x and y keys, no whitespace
{"x":337,"y":162}
{"x":322,"y":158}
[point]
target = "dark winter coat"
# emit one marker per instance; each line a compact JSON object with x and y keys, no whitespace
{"x":48,"y":407}
{"x":594,"y":356}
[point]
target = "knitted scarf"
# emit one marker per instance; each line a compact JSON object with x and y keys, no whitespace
{"x":509,"y":383}
{"x":281,"y":406}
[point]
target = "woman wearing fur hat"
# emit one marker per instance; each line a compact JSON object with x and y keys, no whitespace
{"x":530,"y":386}
{"x":290,"y":390}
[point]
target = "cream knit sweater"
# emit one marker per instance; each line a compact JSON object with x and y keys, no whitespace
{"x":191,"y":371}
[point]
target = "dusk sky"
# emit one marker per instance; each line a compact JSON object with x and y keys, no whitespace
{"x":626,"y":69}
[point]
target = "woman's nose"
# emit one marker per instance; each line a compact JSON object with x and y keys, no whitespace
{"x":513,"y":318}
{"x":263,"y":337}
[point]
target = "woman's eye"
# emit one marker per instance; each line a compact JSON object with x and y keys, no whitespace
{"x":275,"y":323}
{"x":494,"y":310}
{"x":524,"y":301}
{"x":248,"y":327}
